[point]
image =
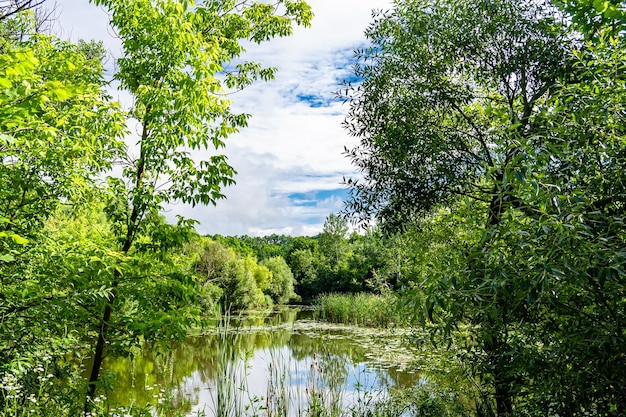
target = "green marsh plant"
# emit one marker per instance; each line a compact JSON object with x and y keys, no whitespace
{"x":361,"y":309}
{"x":230,"y":382}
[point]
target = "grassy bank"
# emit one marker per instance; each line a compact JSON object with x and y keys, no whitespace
{"x":360,"y":309}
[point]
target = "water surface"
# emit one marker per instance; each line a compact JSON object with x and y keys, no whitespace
{"x":283,"y":360}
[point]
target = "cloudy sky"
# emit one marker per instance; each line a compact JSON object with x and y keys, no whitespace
{"x":289,"y":160}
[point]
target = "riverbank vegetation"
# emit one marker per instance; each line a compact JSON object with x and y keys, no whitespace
{"x":491,"y":154}
{"x":361,"y":309}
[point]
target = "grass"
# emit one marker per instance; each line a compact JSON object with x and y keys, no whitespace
{"x":362,"y":309}
{"x":322,"y":396}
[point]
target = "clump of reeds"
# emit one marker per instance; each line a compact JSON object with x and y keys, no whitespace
{"x":362,"y":309}
{"x":230,"y":377}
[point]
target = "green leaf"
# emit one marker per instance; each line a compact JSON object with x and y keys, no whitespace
{"x":6,"y":257}
{"x":18,"y":239}
{"x":601,"y":5}
{"x":7,"y":139}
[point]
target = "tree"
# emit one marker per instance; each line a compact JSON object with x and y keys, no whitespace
{"x":373,"y":261}
{"x":240,"y":288}
{"x":304,"y":266}
{"x":593,"y":18}
{"x":445,"y":113}
{"x":9,"y":8}
{"x":507,"y":139}
{"x":59,"y":132}
{"x":281,"y":286}
{"x":172,"y":55}
{"x":333,"y":240}
{"x":46,"y":322}
{"x":51,"y":146}
{"x":577,"y":236}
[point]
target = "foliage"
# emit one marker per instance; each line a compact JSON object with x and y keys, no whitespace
{"x":58,"y":129}
{"x":503,"y":147}
{"x":304,"y":268}
{"x":360,"y":309}
{"x":243,"y":282}
{"x":332,"y":240}
{"x":281,"y":285}
{"x":10,"y":8}
{"x":331,"y":261}
{"x":593,"y":18}
{"x":172,"y":55}
{"x":59,"y":132}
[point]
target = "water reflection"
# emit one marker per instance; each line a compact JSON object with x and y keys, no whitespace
{"x":279,"y":361}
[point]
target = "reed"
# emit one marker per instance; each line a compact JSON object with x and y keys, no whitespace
{"x":230,"y":380}
{"x":321,"y":396}
{"x":362,"y":309}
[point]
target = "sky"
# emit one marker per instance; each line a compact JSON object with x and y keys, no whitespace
{"x":289,"y":159}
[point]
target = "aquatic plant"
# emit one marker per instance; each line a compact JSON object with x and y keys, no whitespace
{"x":361,"y":309}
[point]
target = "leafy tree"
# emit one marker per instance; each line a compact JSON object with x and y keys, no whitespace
{"x":373,"y":261}
{"x":244,"y":282}
{"x":266,"y":247}
{"x":172,"y":55}
{"x":332,"y":240}
{"x":593,"y":18}
{"x":10,"y":8}
{"x":239,"y":244}
{"x":281,"y":285}
{"x":303,"y":243}
{"x":304,"y":268}
{"x":261,"y":283}
{"x":577,"y":238}
{"x":504,"y":146}
{"x":445,"y":114}
{"x":59,"y":132}
{"x":210,"y":259}
{"x":239,"y":285}
{"x":45,"y":298}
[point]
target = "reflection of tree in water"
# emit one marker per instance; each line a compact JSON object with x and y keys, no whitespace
{"x":200,"y":361}
{"x":266,"y":318}
{"x":349,"y":348}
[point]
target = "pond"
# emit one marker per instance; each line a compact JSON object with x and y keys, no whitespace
{"x":280,"y":363}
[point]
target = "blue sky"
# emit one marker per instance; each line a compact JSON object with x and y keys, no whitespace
{"x":289,"y":160}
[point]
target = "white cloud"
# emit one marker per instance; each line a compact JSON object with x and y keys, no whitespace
{"x":289,"y":146}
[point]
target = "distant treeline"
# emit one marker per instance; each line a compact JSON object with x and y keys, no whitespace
{"x":332,"y":261}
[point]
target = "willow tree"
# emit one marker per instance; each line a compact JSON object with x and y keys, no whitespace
{"x":503,"y":108}
{"x":447,"y":110}
{"x":179,"y":59}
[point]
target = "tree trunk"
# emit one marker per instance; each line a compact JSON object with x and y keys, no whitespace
{"x":504,"y":405}
{"x":98,"y":355}
{"x":132,"y":226}
{"x":497,"y":348}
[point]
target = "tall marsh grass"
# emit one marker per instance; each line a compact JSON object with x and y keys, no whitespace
{"x":362,"y":309}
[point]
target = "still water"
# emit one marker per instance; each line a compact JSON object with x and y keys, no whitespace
{"x":266,"y":364}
